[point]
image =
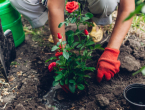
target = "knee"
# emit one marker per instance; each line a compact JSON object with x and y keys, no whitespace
{"x":108,"y":5}
{"x":13,"y":3}
{"x":99,"y":6}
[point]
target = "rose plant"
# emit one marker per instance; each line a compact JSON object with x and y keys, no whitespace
{"x":70,"y":68}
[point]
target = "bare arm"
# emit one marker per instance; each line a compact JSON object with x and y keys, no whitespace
{"x":121,"y":28}
{"x":56,"y":16}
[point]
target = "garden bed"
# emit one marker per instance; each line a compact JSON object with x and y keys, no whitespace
{"x":31,"y":82}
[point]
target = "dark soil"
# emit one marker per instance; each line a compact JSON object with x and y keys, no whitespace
{"x":31,"y":82}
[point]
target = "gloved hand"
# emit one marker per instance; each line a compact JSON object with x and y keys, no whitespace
{"x":108,"y":65}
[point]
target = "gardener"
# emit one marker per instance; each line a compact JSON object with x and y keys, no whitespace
{"x":36,"y":11}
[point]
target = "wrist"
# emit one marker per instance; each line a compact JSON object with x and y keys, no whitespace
{"x":110,"y":53}
{"x":113,"y":46}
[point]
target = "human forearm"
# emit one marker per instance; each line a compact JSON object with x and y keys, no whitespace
{"x":121,"y":28}
{"x":108,"y":64}
{"x":119,"y":32}
{"x":56,"y":16}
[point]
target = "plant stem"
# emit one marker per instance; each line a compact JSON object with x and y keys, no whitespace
{"x":79,"y":42}
{"x":77,"y":26}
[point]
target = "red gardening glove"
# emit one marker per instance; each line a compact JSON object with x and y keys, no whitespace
{"x":108,"y":65}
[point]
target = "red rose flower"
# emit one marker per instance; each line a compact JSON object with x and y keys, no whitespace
{"x":51,"y":66}
{"x":57,"y":54}
{"x":59,"y":36}
{"x":86,"y":32}
{"x":71,"y":6}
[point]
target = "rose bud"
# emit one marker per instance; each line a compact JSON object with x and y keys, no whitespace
{"x":86,"y":32}
{"x":59,"y":36}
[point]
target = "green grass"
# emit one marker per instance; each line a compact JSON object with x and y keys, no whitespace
{"x":137,"y":26}
{"x":14,"y":63}
{"x":36,"y":34}
{"x":139,"y":22}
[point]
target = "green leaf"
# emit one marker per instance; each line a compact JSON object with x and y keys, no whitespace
{"x":54,"y":48}
{"x":90,"y":24}
{"x":52,"y":58}
{"x":78,"y":32}
{"x":65,"y":54}
{"x":62,"y":60}
{"x":137,"y":10}
{"x":136,"y":72}
{"x":74,"y":44}
{"x":87,"y":76}
{"x":89,"y":57}
{"x":89,"y":53}
{"x":67,"y":47}
{"x":70,"y":40}
{"x":64,"y":42}
{"x":73,"y":20}
{"x":63,"y":67}
{"x":97,"y":46}
{"x":90,"y":43}
{"x":66,"y":19}
{"x":69,"y":33}
{"x":66,"y":81}
{"x":143,"y":71}
{"x":85,"y":52}
{"x":59,"y":62}
{"x":90,"y":47}
{"x":61,"y":82}
{"x":78,"y":62}
{"x":90,"y":15}
{"x":90,"y":68}
{"x":82,"y":47}
{"x":58,"y":77}
{"x":81,"y":86}
{"x":69,"y":20}
{"x":55,"y":83}
{"x":79,"y":45}
{"x":86,"y":83}
{"x":58,"y":72}
{"x":85,"y":19}
{"x":72,"y":81}
{"x":58,"y":43}
{"x":61,"y":24}
{"x":72,"y":87}
{"x":67,"y":23}
{"x":80,"y":80}
{"x":101,"y":48}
